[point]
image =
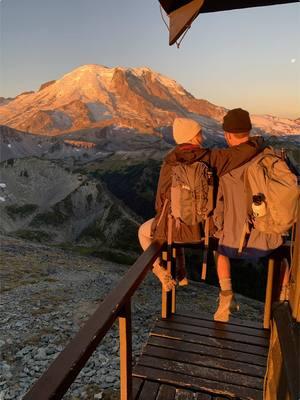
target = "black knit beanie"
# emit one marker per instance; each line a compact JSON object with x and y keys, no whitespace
{"x":237,"y":121}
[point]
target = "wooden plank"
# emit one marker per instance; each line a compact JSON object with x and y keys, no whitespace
{"x":54,"y":383}
{"x":206,"y":361}
{"x":166,"y":392}
{"x":182,"y":394}
{"x":202,"y":372}
{"x":214,"y":333}
{"x":137,"y":384}
{"x":149,"y":391}
{"x":180,"y":379}
{"x":220,"y":326}
{"x":210,"y":341}
{"x":250,"y":359}
{"x":233,"y":321}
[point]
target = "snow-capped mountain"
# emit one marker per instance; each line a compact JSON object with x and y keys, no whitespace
{"x":94,"y":96}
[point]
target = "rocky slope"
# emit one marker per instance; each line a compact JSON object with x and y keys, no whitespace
{"x":46,"y":296}
{"x":93,"y":96}
{"x":84,"y":145}
{"x":45,"y":201}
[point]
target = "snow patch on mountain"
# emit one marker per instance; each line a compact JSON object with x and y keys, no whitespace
{"x":275,"y":125}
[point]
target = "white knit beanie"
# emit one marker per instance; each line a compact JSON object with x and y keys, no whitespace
{"x":185,"y":129}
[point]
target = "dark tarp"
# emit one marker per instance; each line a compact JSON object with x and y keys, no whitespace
{"x":183,"y":12}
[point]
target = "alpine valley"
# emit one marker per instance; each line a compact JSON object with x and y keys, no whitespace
{"x":80,"y":157}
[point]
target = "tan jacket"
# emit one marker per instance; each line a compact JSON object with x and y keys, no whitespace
{"x":220,"y":161}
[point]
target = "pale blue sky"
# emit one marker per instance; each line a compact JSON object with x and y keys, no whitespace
{"x":248,"y":58}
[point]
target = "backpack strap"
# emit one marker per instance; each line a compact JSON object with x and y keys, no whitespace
{"x":163,"y":211}
{"x":245,"y":232}
{"x":205,"y":251}
{"x":210,"y":207}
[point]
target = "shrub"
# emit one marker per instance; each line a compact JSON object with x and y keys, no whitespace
{"x":22,"y":211}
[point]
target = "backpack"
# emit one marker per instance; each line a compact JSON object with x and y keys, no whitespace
{"x":190,"y":193}
{"x":192,"y":198}
{"x":272,"y":192}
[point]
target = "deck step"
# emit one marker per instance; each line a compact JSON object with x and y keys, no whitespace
{"x":188,"y":357}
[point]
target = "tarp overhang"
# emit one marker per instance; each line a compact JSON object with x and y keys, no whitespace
{"x":182,"y":13}
{"x":221,"y":5}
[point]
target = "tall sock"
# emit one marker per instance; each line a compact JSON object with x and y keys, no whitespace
{"x":225,"y":284}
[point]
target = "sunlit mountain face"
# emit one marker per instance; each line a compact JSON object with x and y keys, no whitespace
{"x":94,"y":96}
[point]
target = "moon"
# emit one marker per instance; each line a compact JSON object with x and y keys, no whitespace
{"x":293,"y":60}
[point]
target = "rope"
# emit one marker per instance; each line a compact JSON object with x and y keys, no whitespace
{"x":186,"y":30}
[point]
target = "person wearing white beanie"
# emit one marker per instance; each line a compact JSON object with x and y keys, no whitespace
{"x":185,"y":130}
{"x":187,"y":134}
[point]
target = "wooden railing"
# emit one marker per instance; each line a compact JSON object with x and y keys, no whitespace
{"x":54,"y":383}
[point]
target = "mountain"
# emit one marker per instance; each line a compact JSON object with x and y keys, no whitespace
{"x":94,"y":96}
{"x":45,"y":201}
{"x":91,"y":95}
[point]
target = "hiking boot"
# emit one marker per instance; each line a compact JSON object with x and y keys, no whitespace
{"x":183,"y":282}
{"x":165,"y":277}
{"x":227,"y":305}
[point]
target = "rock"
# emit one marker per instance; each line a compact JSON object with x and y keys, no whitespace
{"x":110,"y":379}
{"x":41,"y":354}
{"x":98,"y":396}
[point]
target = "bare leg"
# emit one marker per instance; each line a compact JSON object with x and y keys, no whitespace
{"x":162,"y":274}
{"x":227,"y":302}
{"x":224,"y":272}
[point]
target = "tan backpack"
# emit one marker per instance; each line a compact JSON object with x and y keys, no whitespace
{"x":273,"y":194}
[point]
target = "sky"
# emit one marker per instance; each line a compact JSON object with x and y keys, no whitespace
{"x":247,"y":58}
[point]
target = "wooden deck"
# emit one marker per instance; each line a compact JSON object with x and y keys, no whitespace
{"x":193,"y":357}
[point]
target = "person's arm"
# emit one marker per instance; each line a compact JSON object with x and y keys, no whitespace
{"x":224,"y":160}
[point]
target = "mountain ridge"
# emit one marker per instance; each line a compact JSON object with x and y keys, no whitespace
{"x":92,"y":95}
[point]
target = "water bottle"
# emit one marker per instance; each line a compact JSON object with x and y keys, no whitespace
{"x":259,"y":207}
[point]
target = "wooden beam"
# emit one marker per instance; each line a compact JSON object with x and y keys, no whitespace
{"x":269,"y":290}
{"x":295,"y":275}
{"x":289,"y":338}
{"x":125,"y":352}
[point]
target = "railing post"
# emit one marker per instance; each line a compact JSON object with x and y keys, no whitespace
{"x":269,"y":290}
{"x":168,"y":299}
{"x":295,"y":277}
{"x":125,"y":352}
{"x":173,"y":273}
